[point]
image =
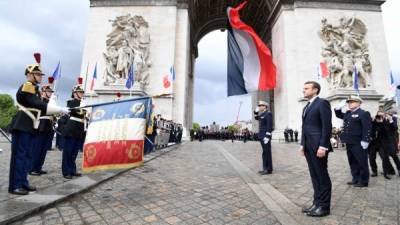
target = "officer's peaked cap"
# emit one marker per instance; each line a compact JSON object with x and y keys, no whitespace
{"x":262,"y":103}
{"x":354,"y":98}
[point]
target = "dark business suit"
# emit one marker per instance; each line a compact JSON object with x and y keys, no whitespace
{"x":316,"y":132}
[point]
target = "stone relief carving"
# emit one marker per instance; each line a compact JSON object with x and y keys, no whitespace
{"x":128,"y":43}
{"x":345,"y":49}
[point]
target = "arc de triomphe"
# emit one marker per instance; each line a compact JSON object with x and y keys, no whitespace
{"x":154,"y":37}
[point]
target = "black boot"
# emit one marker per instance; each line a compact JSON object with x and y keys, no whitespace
{"x":386,"y":177}
{"x":374,"y":174}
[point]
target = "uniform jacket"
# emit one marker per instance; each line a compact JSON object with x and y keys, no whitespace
{"x":28,"y":97}
{"x":386,"y":135}
{"x":72,"y":128}
{"x":357,"y":126}
{"x":265,"y":124}
{"x":317,"y":125}
{"x":46,"y":125}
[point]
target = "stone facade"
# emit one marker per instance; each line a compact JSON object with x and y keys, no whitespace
{"x":169,"y":47}
{"x":296,"y":46}
{"x":289,"y":27}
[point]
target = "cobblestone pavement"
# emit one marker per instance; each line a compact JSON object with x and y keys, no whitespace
{"x":198,"y":184}
{"x":52,"y":165}
{"x":377,"y":204}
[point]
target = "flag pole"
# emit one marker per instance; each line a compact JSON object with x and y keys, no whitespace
{"x":87,"y":71}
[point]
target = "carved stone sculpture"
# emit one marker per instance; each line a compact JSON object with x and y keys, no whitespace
{"x":127,"y":44}
{"x":345,"y":52}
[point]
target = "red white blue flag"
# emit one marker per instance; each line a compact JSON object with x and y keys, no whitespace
{"x":250,"y":65}
{"x":94,"y":77}
{"x":115,"y":136}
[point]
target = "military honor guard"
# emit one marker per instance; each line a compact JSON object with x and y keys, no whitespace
{"x":315,"y":146}
{"x":73,"y":132}
{"x":45,"y":134}
{"x":25,"y":126}
{"x":357,"y":124}
{"x":264,"y":135}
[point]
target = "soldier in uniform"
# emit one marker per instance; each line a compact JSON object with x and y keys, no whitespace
{"x":24,"y":128}
{"x":357,"y":125}
{"x":45,"y":135}
{"x":264,"y":135}
{"x":73,"y":133}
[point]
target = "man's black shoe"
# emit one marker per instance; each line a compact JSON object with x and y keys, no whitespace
{"x":34,"y":173}
{"x":19,"y":191}
{"x":43,"y":172}
{"x":350,"y":183}
{"x":319,"y":212}
{"x":262,"y":172}
{"x":77,"y":174}
{"x":30,"y":188}
{"x":309,"y":209}
{"x":360,"y":185}
{"x":374,"y":174}
{"x":68,"y":177}
{"x":386,"y":177}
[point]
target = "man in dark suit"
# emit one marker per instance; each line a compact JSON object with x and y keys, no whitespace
{"x":315,"y":146}
{"x":357,"y":124}
{"x":264,"y":135}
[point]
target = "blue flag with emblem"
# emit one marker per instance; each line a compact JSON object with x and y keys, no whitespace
{"x":115,"y":135}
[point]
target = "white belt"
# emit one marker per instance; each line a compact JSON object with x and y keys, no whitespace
{"x":46,"y":118}
{"x":28,"y":112}
{"x":77,"y":119}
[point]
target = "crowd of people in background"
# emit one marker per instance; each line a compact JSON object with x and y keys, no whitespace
{"x":223,"y":134}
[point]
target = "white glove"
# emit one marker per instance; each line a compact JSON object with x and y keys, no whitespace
{"x":53,"y":99}
{"x":266,"y":140}
{"x":364,"y":144}
{"x":256,"y":110}
{"x":55,"y":109}
{"x":83,"y":103}
{"x":341,"y":104}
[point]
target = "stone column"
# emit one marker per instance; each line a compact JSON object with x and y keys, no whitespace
{"x":182,"y":63}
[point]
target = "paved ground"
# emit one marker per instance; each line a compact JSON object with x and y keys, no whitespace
{"x":216,"y":182}
{"x":52,"y":166}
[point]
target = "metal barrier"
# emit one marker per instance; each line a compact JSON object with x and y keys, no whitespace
{"x":162,"y":138}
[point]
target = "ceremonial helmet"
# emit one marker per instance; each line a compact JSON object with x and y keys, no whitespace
{"x":354,"y":98}
{"x":34,"y":68}
{"x":77,"y":88}
{"x":48,"y":87}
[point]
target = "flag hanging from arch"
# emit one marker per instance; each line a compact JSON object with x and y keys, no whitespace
{"x":250,"y":65}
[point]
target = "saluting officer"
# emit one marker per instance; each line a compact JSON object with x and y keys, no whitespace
{"x":356,"y":134}
{"x":73,"y":133}
{"x":264,"y":135}
{"x":45,"y":134}
{"x":24,"y":128}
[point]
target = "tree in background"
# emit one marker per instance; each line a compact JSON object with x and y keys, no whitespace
{"x":233,"y":129}
{"x":196,"y":127}
{"x":7,"y":110}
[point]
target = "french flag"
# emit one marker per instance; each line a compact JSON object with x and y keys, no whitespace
{"x":250,"y":65}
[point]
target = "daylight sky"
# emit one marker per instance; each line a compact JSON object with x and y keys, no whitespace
{"x":57,"y":29}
